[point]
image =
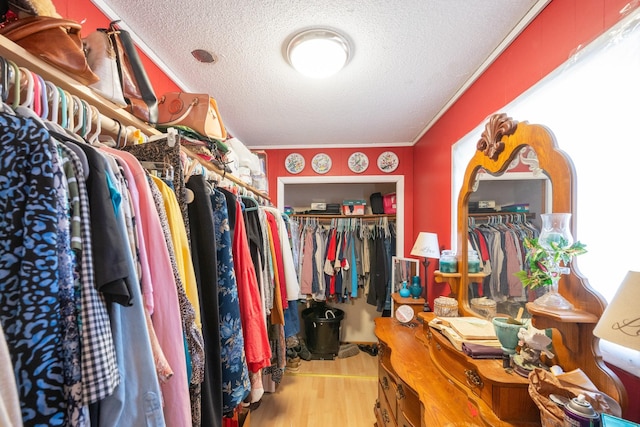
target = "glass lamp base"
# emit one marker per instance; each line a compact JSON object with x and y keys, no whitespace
{"x":553,"y":300}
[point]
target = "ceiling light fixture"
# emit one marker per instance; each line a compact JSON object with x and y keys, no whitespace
{"x":318,"y":52}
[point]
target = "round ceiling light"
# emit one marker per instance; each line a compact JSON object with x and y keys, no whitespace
{"x":318,"y":53}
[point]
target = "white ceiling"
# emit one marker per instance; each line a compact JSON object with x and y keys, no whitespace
{"x":411,"y":59}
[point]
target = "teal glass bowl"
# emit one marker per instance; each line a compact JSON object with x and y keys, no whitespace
{"x":507,"y":333}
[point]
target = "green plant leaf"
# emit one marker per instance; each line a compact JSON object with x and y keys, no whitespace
{"x":540,"y":262}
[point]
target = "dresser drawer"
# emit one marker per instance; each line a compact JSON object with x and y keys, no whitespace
{"x":403,"y":421}
{"x":506,"y":394}
{"x":455,"y":364}
{"x":388,"y":389}
{"x":409,"y":407}
{"x":384,"y":416}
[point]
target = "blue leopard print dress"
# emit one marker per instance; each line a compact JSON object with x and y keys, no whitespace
{"x":29,"y":286}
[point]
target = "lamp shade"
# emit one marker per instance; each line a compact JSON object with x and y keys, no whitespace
{"x":426,"y":245}
{"x":620,"y":322}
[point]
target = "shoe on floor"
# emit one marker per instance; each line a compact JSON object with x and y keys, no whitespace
{"x":348,"y":350}
{"x":303,"y":351}
{"x":293,"y":365}
{"x":291,"y":353}
{"x":369,"y":349}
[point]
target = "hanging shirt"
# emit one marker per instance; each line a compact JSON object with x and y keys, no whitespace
{"x":166,"y":311}
{"x":256,"y":340}
{"x":29,"y":286}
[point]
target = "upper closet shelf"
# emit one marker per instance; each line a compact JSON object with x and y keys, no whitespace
{"x":211,"y":167}
{"x":111,"y":113}
{"x":322,"y":216}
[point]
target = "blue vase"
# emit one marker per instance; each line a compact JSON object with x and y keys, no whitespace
{"x":415,"y":291}
{"x":404,"y":292}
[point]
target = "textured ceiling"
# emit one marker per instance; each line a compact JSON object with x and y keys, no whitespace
{"x":410,"y":58}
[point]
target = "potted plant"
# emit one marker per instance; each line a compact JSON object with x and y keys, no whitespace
{"x":547,"y":258}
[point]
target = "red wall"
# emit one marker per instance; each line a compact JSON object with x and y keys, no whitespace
{"x":340,"y":167}
{"x":546,"y":43}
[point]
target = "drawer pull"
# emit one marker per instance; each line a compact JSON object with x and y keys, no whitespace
{"x":400,"y":392}
{"x":385,"y":416}
{"x":381,"y":350}
{"x":438,"y":347}
{"x":385,"y":383}
{"x":473,"y":379}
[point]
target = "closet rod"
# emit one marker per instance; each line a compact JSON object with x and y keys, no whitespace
{"x":488,"y":216}
{"x":330,"y":217}
{"x":108,"y":110}
{"x":209,"y":166}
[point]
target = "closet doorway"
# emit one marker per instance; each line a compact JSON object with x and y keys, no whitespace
{"x":357,"y":325}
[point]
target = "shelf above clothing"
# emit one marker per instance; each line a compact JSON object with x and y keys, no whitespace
{"x":213,"y":168}
{"x":111,"y":114}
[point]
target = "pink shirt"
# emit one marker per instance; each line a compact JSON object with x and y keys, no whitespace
{"x":159,"y":283}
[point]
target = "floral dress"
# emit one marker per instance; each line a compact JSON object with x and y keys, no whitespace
{"x":235,"y":374}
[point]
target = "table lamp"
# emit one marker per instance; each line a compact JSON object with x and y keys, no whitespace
{"x":426,"y":246}
{"x":620,"y":322}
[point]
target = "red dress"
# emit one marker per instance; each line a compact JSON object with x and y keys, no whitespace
{"x":256,"y":340}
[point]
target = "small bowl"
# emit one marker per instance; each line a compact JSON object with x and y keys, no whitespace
{"x":507,"y":333}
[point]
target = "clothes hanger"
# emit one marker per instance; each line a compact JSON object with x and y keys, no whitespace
{"x":165,"y":168}
{"x":37,"y":94}
{"x":4,"y":77}
{"x":87,"y":116}
{"x":95,"y":113}
{"x":70,"y":112}
{"x":64,"y":108}
{"x":53,"y":99}
{"x":44,"y":97}
{"x":28,"y":101}
{"x":15,"y":72}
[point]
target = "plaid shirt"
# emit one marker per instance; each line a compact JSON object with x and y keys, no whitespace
{"x":99,"y":368}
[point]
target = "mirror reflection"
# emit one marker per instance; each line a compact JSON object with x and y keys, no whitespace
{"x":503,"y":210}
{"x":402,"y":274}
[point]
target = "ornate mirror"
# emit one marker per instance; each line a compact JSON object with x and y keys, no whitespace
{"x":552,"y":189}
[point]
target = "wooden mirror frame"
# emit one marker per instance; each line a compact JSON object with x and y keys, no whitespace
{"x":575,"y":345}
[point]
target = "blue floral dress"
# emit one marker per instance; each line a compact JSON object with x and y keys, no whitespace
{"x":235,"y":374}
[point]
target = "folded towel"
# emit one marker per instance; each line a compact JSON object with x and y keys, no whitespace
{"x":479,"y":351}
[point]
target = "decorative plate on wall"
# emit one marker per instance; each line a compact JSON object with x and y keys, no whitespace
{"x":388,"y":161}
{"x":321,"y":163}
{"x":294,"y":163}
{"x":358,"y":162}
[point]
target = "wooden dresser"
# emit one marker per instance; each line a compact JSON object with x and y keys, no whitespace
{"x":425,"y":381}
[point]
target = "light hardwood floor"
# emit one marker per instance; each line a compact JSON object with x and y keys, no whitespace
{"x":323,"y":393}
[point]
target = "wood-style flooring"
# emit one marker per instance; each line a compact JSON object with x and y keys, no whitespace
{"x":323,"y":393}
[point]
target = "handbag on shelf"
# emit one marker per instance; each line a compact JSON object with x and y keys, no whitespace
{"x":196,"y":111}
{"x":136,"y":86}
{"x":101,"y":57}
{"x":54,"y":40}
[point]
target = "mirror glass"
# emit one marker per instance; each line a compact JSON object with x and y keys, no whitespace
{"x":503,"y":209}
{"x":402,"y":271}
